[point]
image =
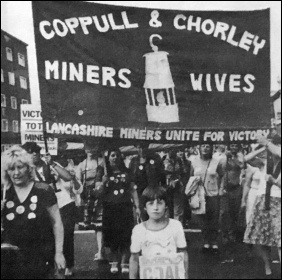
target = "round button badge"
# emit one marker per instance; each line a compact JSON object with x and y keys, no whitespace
{"x":20,"y":209}
{"x":32,"y":207}
{"x":10,"y":217}
{"x":34,"y":199}
{"x":10,"y":204}
{"x":31,"y":216}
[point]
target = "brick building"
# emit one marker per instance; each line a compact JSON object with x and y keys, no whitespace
{"x":15,"y":87}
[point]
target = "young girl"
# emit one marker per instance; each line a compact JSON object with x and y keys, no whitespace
{"x":157,"y":236}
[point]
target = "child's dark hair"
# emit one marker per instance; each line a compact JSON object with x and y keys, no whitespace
{"x":153,"y":193}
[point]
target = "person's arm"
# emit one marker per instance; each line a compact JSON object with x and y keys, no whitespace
{"x":191,"y":170}
{"x":273,"y":181}
{"x":135,"y":199}
{"x":247,"y":186}
{"x":58,"y":230}
{"x":58,"y":169}
{"x":186,"y":261}
{"x":275,"y":150}
{"x":134,"y":266}
{"x":221,"y":171}
{"x":253,"y":154}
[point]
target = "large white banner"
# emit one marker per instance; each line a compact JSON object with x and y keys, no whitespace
{"x":32,"y":128}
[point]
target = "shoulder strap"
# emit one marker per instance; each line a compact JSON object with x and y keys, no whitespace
{"x":206,"y":175}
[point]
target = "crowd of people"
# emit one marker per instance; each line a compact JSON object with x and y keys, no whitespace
{"x":135,"y":205}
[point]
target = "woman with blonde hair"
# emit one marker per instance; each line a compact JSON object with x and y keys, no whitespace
{"x":31,"y":219}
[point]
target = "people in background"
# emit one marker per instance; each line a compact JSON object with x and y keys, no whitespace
{"x":117,"y":191}
{"x":178,"y":170}
{"x":66,"y":192}
{"x":233,"y":190}
{"x":147,"y":169}
{"x":93,"y":209}
{"x":31,"y":219}
{"x":86,"y":173}
{"x":211,"y":173}
{"x":255,"y":178}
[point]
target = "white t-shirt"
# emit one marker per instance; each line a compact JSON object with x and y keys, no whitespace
{"x":64,"y":196}
{"x":162,"y":242}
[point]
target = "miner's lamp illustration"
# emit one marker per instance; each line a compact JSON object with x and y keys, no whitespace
{"x":159,"y":87}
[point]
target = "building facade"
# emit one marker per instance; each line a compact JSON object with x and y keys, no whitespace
{"x":15,"y":87}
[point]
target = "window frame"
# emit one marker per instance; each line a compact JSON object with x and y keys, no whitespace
{"x":23,"y":80}
{"x":9,"y":55}
{"x":10,"y":75}
{"x":4,"y":104}
{"x":14,"y":100}
{"x":21,"y":59}
{"x":15,"y":123}
{"x":2,"y":125}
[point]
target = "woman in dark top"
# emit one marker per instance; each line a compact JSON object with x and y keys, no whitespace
{"x":31,"y":220}
{"x":117,"y":193}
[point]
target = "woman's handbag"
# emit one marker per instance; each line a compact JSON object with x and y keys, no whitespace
{"x":196,"y":192}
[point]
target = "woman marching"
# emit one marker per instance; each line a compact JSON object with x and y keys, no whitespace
{"x":31,"y":219}
{"x":211,"y":173}
{"x":264,"y":226}
{"x":117,"y":193}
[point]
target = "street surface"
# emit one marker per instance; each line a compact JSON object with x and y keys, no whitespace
{"x":246,"y":264}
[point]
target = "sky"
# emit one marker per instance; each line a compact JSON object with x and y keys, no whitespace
{"x":16,"y":19}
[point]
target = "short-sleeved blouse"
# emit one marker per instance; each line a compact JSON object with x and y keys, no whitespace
{"x":27,"y":224}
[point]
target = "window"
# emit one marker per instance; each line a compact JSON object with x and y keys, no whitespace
{"x":16,"y":126}
{"x":3,"y":100}
{"x":21,"y":59}
{"x":24,"y":101}
{"x":3,"y":112}
{"x":9,"y":54}
{"x":4,"y":125}
{"x":11,"y":78}
{"x":14,"y":104}
{"x":23,"y":82}
{"x":2,"y":76}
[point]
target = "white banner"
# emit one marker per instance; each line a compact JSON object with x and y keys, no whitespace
{"x":32,"y":128}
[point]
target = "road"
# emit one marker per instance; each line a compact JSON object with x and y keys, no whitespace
{"x":246,"y":264}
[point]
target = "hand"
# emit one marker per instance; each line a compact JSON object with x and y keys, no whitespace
{"x":60,"y":261}
{"x":262,"y":140}
{"x":105,"y":179}
{"x":243,"y":205}
{"x":98,"y":186}
{"x":138,"y":212}
{"x":48,"y":159}
{"x":270,"y":179}
{"x":72,"y":173}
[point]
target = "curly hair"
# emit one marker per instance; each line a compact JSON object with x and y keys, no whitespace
{"x":10,"y":157}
